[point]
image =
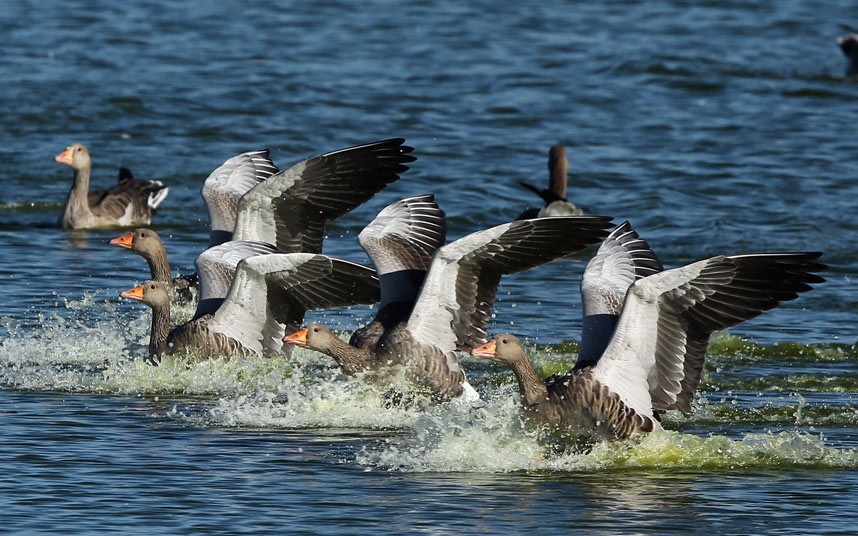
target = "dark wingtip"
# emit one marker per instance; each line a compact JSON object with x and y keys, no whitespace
{"x":544,"y":193}
{"x":125,"y":174}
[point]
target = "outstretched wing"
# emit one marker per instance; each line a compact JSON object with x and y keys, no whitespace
{"x":290,"y":209}
{"x":401,"y":242}
{"x":656,"y":355}
{"x":216,"y":269}
{"x":455,"y":303}
{"x":225,"y":186}
{"x":622,"y":259}
{"x":272,"y":291}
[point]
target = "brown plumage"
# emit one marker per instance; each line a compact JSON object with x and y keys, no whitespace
{"x":455,"y":303}
{"x":146,"y":243}
{"x":575,"y":407}
{"x":655,"y":356}
{"x":268,"y":292}
{"x":554,"y":196}
{"x":131,"y":202}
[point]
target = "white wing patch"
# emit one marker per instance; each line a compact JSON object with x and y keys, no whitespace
{"x":256,"y":217}
{"x":431,"y":321}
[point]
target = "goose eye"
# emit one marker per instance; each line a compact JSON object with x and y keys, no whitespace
{"x":79,"y":149}
{"x":504,"y":341}
{"x":315,"y":330}
{"x":152,"y":286}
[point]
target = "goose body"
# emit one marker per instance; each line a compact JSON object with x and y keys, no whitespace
{"x":248,"y":199}
{"x":554,"y":197}
{"x":454,"y":304}
{"x":131,"y":202}
{"x":655,"y":356}
{"x":246,"y":313}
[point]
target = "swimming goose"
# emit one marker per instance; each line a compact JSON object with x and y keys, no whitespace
{"x":554,"y":196}
{"x":287,"y":209}
{"x":130,"y":202}
{"x":848,"y":43}
{"x":655,"y":357}
{"x":268,"y":292}
{"x":146,"y":243}
{"x":454,"y":305}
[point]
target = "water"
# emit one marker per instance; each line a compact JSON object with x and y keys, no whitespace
{"x":714,"y":128}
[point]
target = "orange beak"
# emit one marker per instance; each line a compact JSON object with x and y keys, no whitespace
{"x":486,"y":351}
{"x":64,"y":157}
{"x":135,"y":293}
{"x":298,"y":338}
{"x":125,"y":241}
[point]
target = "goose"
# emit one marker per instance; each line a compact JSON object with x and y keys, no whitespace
{"x":131,"y":202}
{"x":454,"y":305}
{"x":287,"y":209}
{"x":268,"y":292}
{"x":655,"y":356}
{"x":148,"y":244}
{"x":848,"y":44}
{"x":400,"y":242}
{"x":554,"y":196}
{"x":221,"y":192}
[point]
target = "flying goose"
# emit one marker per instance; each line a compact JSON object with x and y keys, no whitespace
{"x":455,"y":302}
{"x":131,"y":202}
{"x":268,"y":292}
{"x":287,"y":209}
{"x":655,"y":357}
{"x":554,"y":196}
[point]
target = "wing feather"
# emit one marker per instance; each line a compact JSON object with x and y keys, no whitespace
{"x":656,"y":356}
{"x":227,"y":183}
{"x":455,"y":304}
{"x":289,"y":210}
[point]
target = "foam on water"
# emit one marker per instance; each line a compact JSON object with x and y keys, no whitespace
{"x":87,"y":347}
{"x":491,"y":439}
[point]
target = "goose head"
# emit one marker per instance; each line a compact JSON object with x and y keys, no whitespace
{"x":76,"y":156}
{"x":314,"y":336}
{"x":143,"y":241}
{"x":505,"y":348}
{"x":152,"y":293}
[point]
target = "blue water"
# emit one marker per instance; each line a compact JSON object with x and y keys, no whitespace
{"x":713,"y":127}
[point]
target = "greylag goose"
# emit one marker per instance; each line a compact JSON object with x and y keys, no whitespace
{"x":130,"y":202}
{"x":655,"y":357}
{"x":848,"y":43}
{"x":554,"y":196}
{"x":455,"y":303}
{"x":268,"y":292}
{"x":146,"y":243}
{"x":287,"y":209}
